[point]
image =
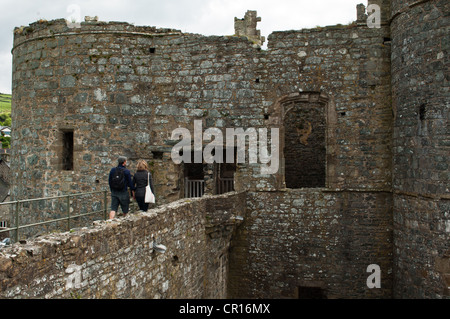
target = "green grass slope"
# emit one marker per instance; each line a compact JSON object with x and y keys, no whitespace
{"x":5,"y":103}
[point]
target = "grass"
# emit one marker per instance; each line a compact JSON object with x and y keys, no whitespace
{"x":5,"y":103}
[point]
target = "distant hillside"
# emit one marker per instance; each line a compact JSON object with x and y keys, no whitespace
{"x":5,"y":103}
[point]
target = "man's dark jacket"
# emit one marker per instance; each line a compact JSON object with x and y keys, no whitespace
{"x":127,"y":174}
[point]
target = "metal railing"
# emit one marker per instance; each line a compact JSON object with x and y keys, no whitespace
{"x":194,"y":188}
{"x":225,"y":185}
{"x":68,"y":218}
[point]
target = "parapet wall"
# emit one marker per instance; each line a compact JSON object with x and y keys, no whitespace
{"x":285,"y":241}
{"x":115,"y":259}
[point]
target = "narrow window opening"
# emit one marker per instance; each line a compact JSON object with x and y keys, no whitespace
{"x":257,"y":80}
{"x":67,"y":150}
{"x":157,"y":155}
{"x":422,"y":112}
{"x":152,"y":50}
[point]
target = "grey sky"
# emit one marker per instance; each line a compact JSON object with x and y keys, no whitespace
{"x":207,"y":17}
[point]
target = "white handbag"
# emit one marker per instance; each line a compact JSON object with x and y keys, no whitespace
{"x":149,"y":196}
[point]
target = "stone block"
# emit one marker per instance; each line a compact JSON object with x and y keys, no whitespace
{"x":67,"y":81}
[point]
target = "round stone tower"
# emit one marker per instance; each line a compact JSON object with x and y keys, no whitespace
{"x":420,"y":58}
{"x":79,"y":101}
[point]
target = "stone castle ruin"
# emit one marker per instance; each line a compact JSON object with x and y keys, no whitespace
{"x":362,"y":180}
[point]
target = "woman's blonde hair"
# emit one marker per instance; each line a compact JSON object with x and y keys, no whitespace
{"x":142,"y":165}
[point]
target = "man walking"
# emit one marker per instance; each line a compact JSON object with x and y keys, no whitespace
{"x":119,"y":182}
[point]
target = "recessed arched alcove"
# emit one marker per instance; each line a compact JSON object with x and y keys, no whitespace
{"x":304,"y":144}
{"x":306,"y":121}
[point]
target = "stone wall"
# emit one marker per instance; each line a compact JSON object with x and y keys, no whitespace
{"x":287,"y":240}
{"x":246,"y":27}
{"x":297,"y":239}
{"x":421,"y":247}
{"x":5,"y":171}
{"x":421,"y":148}
{"x":115,"y":259}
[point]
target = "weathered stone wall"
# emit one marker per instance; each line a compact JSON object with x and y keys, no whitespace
{"x":247,"y":27}
{"x":115,"y":259}
{"x":421,"y":247}
{"x":324,"y":238}
{"x":421,"y":148}
{"x":349,"y":66}
{"x":94,"y":84}
{"x":312,"y":238}
{"x":5,"y":171}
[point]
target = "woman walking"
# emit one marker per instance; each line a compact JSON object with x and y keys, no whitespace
{"x":140,"y":180}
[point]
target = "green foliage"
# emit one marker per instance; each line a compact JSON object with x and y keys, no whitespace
{"x":5,"y":117}
{"x":6,"y":141}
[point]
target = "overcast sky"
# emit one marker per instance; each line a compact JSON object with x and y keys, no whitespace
{"x":207,"y":17}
